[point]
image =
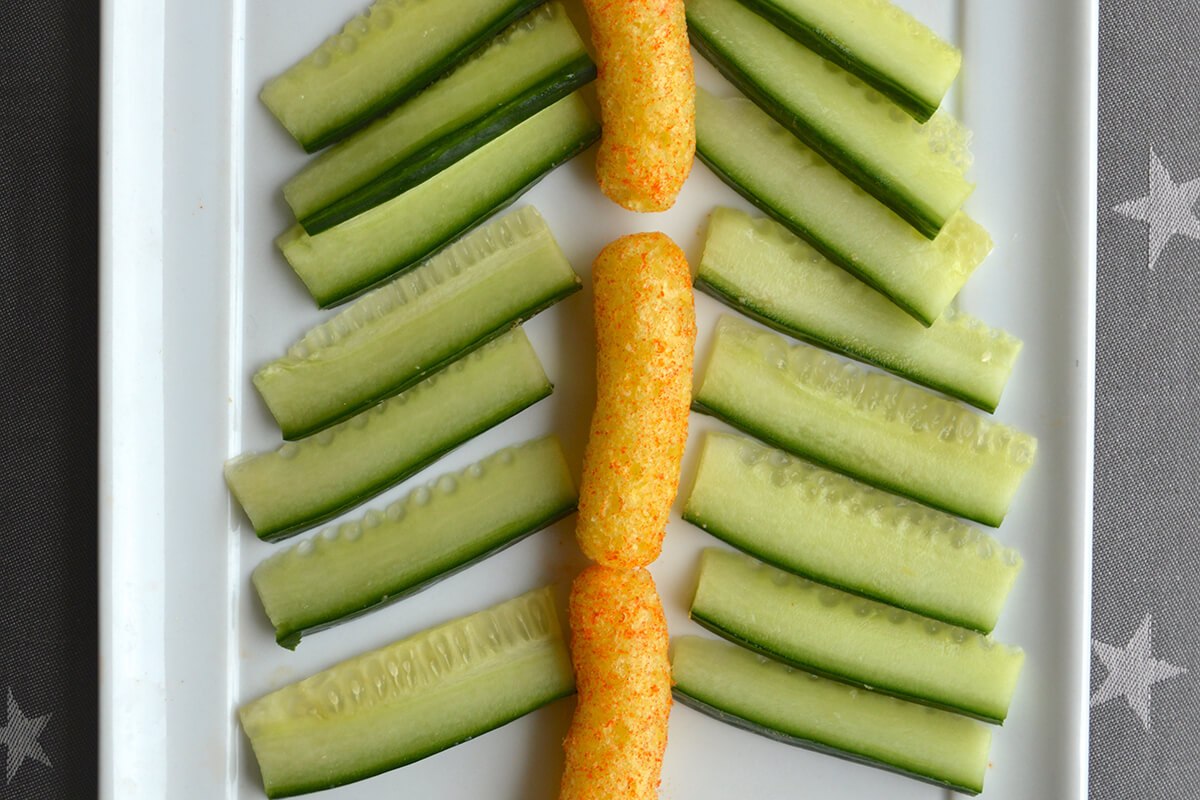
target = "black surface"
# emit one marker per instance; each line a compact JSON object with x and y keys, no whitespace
{"x":49,"y":83}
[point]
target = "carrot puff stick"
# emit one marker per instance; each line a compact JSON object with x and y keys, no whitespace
{"x":647,"y":100}
{"x":619,"y":646}
{"x":645,"y":337}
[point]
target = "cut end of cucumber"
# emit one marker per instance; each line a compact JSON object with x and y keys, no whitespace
{"x":945,"y":134}
{"x":411,"y":699}
{"x":963,"y":244}
{"x":284,"y":95}
{"x":928,"y":74}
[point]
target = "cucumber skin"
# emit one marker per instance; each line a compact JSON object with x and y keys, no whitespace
{"x":692,"y":701}
{"x":421,"y":80}
{"x":763,"y":436}
{"x":351,"y":777}
{"x":436,"y":156}
{"x":276,"y":534}
{"x":750,"y":310}
{"x":291,"y":434}
{"x":914,"y":105}
{"x":817,"y":243}
{"x":353,"y":291}
{"x":735,"y":541}
{"x":707,"y":624}
{"x":900,"y":202}
{"x":290,"y":637}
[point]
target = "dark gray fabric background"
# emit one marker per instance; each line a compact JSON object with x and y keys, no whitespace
{"x":1147,"y":490}
{"x":1147,"y":558}
{"x":49,"y":56}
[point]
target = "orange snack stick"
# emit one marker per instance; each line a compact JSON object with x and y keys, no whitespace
{"x":647,"y":96}
{"x":619,"y":647}
{"x":645,"y":337}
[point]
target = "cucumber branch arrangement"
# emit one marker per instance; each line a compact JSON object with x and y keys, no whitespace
{"x":858,"y":602}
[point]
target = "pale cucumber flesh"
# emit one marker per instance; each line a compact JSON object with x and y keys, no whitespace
{"x":304,"y":483}
{"x":870,"y":426}
{"x":410,"y":699}
{"x":773,"y":169}
{"x":490,"y":280}
{"x":835,"y":530}
{"x":534,"y":63}
{"x":381,"y":58}
{"x":915,"y":170}
{"x":877,"y":41}
{"x":760,"y":268}
{"x":826,"y":630}
{"x":437,"y":530}
{"x":772,"y":699}
{"x":396,"y":235}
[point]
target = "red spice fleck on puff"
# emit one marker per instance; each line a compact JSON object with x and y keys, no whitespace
{"x":645,"y":337}
{"x":647,"y":94}
{"x":615,"y":746}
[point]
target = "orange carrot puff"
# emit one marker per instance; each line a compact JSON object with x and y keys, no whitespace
{"x":619,"y":647}
{"x":647,"y":100}
{"x":645,"y":337}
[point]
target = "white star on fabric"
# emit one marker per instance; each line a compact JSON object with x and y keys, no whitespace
{"x":1168,"y":209}
{"x":19,"y":735}
{"x":1132,"y":670}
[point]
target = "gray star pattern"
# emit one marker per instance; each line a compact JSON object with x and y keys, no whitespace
{"x":1132,"y":670}
{"x":19,"y":735}
{"x":1168,"y":209}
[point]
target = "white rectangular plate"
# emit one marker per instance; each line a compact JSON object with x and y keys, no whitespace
{"x":195,"y":297}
